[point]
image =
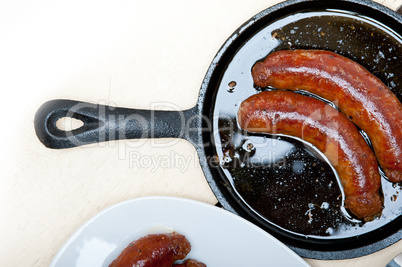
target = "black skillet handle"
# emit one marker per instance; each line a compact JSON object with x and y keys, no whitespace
{"x":105,"y":123}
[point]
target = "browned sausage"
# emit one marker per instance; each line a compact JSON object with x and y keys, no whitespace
{"x":160,"y":250}
{"x":190,"y":263}
{"x":289,"y":113}
{"x":367,"y":101}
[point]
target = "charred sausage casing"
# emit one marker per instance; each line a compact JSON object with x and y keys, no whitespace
{"x":190,"y":263}
{"x":367,"y":101}
{"x":330,"y":131}
{"x":160,"y":250}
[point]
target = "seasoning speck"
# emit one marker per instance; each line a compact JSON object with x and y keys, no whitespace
{"x":231,"y":85}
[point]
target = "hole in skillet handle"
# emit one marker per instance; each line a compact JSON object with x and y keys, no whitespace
{"x":69,"y":124}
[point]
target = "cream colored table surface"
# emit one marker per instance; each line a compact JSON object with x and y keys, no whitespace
{"x":138,"y":54}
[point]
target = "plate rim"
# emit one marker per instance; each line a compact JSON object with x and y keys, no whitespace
{"x":79,"y":230}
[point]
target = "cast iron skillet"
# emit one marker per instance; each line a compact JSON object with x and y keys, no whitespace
{"x":198,"y":125}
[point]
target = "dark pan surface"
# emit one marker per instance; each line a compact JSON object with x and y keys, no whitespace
{"x":292,"y":189}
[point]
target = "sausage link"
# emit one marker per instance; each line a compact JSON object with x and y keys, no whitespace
{"x":330,"y":131}
{"x":160,"y":250}
{"x":367,"y":101}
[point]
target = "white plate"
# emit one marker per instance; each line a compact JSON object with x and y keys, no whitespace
{"x":218,"y":238}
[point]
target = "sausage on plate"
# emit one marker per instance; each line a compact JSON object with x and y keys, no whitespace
{"x":160,"y":250}
{"x":289,"y":113}
{"x":367,"y":101}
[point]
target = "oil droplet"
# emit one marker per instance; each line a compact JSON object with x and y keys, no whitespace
{"x":325,"y":205}
{"x":330,"y":230}
{"x":248,"y":146}
{"x":232,"y":86}
{"x":298,"y":167}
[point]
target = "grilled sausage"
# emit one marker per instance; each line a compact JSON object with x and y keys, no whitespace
{"x":367,"y":101}
{"x":190,"y":263}
{"x":160,"y":250}
{"x":330,"y":131}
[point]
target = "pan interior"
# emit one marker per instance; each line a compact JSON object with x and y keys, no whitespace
{"x":286,"y":183}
